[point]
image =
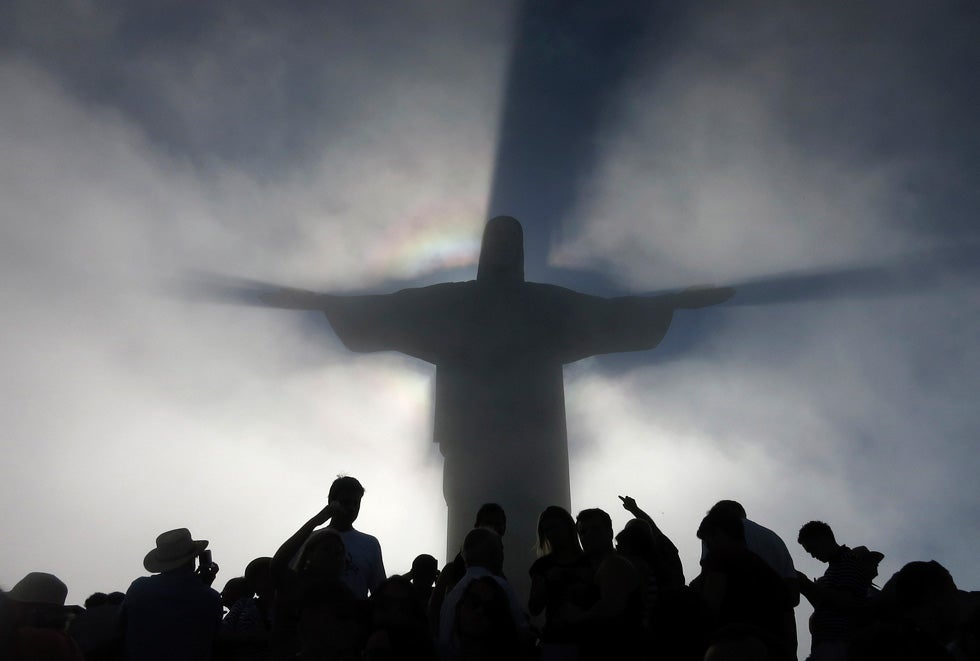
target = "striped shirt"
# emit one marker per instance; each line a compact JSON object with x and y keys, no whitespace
{"x":845,"y":573}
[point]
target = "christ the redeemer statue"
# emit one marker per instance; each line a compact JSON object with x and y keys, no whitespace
{"x":499,"y":344}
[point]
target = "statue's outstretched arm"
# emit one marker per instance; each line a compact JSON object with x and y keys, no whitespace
{"x":700,"y":297}
{"x":296,"y":299}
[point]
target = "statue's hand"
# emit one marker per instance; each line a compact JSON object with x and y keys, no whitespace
{"x":702,"y":297}
{"x":292,"y":299}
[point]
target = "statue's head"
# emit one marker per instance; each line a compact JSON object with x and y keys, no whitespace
{"x":502,"y":253}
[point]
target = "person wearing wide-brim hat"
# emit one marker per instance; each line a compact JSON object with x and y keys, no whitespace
{"x":38,"y":603}
{"x":173,"y":614}
{"x":174,"y":549}
{"x":40,"y":588}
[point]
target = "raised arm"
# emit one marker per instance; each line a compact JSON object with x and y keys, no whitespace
{"x":289,"y":548}
{"x":669,"y":568}
{"x":629,"y":504}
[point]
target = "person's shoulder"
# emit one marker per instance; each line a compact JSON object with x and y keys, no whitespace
{"x":359,"y":536}
{"x":770,"y":547}
{"x":505,"y":585}
{"x":456,"y":590}
{"x":765,"y":534}
{"x":143,"y":580}
{"x":138,"y":585}
{"x":191,"y":582}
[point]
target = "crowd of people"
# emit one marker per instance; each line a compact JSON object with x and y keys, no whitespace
{"x":594,"y":595}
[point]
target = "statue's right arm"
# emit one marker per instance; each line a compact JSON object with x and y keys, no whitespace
{"x":296,"y":299}
{"x":702,"y":296}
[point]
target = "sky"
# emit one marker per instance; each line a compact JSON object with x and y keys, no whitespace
{"x":362,"y":147}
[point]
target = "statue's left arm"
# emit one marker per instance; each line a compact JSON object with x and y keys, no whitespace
{"x":700,"y":297}
{"x":596,"y":325}
{"x":288,"y":298}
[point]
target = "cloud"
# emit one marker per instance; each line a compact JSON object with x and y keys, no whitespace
{"x":781,"y":138}
{"x":129,"y":412}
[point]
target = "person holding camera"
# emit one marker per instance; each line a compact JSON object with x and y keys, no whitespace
{"x":174,"y":614}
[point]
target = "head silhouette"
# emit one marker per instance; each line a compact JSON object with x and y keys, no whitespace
{"x":732,"y":507}
{"x":324,"y":555}
{"x":722,"y":529}
{"x":817,"y":538}
{"x":491,"y":515}
{"x":595,"y":531}
{"x":482,"y":548}
{"x":556,"y":530}
{"x":636,"y":539}
{"x":345,"y":492}
{"x":425,"y":570}
{"x":502,"y":252}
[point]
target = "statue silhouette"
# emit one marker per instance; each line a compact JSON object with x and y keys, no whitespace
{"x":499,"y":344}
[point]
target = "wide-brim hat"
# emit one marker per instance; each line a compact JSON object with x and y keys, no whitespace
{"x":40,"y":588}
{"x":174,"y":549}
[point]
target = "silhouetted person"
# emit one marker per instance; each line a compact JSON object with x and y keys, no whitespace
{"x":671,"y":621}
{"x":499,"y":344}
{"x":247,"y":627}
{"x":609,"y":627}
{"x":398,"y":625}
{"x":836,"y":596}
{"x":97,"y":629}
{"x":364,"y":570}
{"x":173,"y":614}
{"x":490,"y":516}
{"x":635,"y":542}
{"x":484,"y":628}
{"x":423,"y":575}
{"x":8,"y":628}
{"x":332,"y":623}
{"x":37,"y":618}
{"x":668,"y":567}
{"x":739,"y":589}
{"x":918,"y":612}
{"x":561,"y":576}
{"x":301,"y":565}
{"x":770,"y":547}
{"x":235,"y":588}
{"x":482,"y":552}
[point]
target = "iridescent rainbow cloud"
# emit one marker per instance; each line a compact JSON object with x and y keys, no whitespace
{"x":429,"y":240}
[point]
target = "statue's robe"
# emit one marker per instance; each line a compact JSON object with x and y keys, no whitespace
{"x":499,"y":348}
